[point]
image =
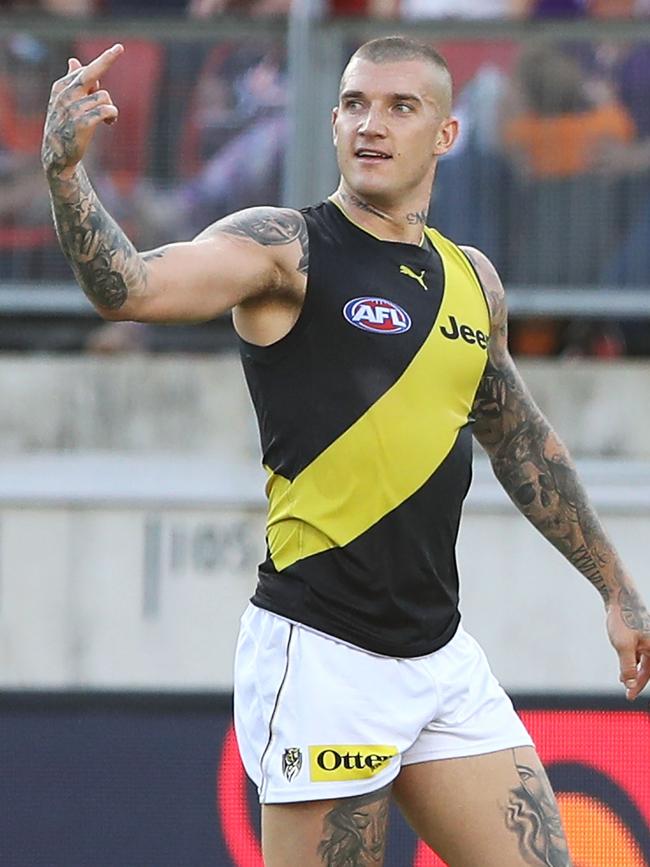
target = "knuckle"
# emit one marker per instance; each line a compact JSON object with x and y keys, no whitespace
{"x":55,"y":93}
{"x":93,"y":116}
{"x":62,"y":82}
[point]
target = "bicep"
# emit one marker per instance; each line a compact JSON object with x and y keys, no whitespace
{"x":200,"y":280}
{"x":243,"y":256}
{"x":503,"y":407}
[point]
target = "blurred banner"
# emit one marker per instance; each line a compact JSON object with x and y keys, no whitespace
{"x":117,"y":780}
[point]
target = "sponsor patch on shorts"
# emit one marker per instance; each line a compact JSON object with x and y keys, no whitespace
{"x":347,"y":761}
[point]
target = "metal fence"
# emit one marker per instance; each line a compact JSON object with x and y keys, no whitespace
{"x":551,"y":176}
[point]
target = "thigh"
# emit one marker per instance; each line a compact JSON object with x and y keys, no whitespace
{"x":345,"y":832}
{"x":492,"y":810}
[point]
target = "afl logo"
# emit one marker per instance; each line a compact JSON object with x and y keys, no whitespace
{"x":377,"y":314}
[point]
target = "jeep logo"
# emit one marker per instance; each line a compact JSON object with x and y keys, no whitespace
{"x":453,"y":331}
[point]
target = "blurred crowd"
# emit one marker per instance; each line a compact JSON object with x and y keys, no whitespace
{"x":551,"y":175}
{"x":380,"y":8}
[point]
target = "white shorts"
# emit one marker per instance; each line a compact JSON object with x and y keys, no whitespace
{"x":318,"y":718}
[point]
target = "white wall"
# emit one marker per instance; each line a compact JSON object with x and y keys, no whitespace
{"x":196,"y":404}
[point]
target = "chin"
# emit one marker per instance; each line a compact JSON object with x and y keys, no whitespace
{"x":372,"y":188}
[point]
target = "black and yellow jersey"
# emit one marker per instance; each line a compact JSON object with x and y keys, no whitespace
{"x":364,"y":411}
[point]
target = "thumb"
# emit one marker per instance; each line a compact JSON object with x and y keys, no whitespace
{"x":73,"y":64}
{"x":628,"y":664}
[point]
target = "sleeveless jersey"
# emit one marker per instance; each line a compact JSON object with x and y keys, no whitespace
{"x":364,"y":412}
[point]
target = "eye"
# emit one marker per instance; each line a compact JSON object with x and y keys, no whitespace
{"x":352,"y":104}
{"x":403,"y":107}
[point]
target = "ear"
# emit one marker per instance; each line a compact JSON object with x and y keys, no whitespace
{"x":446,"y":136}
{"x":335,"y":114}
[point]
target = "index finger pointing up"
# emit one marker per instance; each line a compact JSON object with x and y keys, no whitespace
{"x":97,"y":67}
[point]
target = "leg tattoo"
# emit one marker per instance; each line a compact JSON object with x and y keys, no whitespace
{"x":533,"y":815}
{"x":354,"y":831}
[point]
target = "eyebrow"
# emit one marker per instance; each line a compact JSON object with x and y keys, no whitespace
{"x":408,"y":97}
{"x":397,"y":97}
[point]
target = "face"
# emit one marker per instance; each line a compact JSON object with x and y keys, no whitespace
{"x":390,"y":126}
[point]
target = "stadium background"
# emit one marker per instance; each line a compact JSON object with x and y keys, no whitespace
{"x":131,"y":512}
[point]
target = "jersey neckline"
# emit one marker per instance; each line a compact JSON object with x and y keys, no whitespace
{"x":421,"y":246}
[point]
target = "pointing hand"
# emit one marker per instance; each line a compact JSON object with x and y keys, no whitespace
{"x":77,"y":106}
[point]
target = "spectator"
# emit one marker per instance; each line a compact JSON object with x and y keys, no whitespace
{"x":618,"y":8}
{"x":460,"y":8}
{"x":555,"y":8}
{"x":249,"y":132}
{"x":26,"y":66}
{"x":66,"y":8}
{"x":69,"y":8}
{"x":472,"y":196}
{"x":374,"y":8}
{"x":521,"y":8}
{"x":206,"y":8}
{"x":622,"y":69}
{"x":569,"y":226}
{"x":580,"y":8}
{"x":560,"y":131}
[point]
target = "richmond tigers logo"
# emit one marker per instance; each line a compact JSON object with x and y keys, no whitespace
{"x":291,"y":763}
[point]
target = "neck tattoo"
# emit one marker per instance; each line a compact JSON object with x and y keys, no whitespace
{"x":417,"y":218}
{"x":351,"y":199}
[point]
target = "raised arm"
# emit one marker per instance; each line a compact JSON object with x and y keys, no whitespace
{"x":537,"y":472}
{"x":250,"y":255}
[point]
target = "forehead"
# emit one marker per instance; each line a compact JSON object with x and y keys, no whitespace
{"x":419,"y":77}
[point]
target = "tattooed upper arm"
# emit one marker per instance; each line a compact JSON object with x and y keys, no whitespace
{"x":501,"y":394}
{"x":269,"y":227}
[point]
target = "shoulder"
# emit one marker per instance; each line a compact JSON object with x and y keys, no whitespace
{"x":492,"y":286}
{"x":483,"y":266}
{"x":280,"y":232}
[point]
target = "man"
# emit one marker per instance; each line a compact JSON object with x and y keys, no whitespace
{"x":372,"y":347}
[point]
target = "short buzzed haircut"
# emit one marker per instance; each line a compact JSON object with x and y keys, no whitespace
{"x":389,"y":49}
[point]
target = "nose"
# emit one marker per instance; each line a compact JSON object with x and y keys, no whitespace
{"x":372,"y":123}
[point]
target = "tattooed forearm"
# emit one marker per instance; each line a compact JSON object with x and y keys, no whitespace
{"x":536,"y":471}
{"x":532,"y":814}
{"x":633,"y":611}
{"x":354,"y":831}
{"x":269,"y":227}
{"x":585,"y":562}
{"x":105,"y":263}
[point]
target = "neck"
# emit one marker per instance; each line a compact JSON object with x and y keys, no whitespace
{"x":404,"y":222}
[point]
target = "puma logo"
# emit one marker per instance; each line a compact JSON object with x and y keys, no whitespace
{"x":408,"y":272}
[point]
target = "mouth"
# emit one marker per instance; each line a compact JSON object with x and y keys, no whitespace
{"x":371,"y":155}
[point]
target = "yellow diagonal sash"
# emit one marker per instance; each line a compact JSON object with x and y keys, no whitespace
{"x":399,"y":442}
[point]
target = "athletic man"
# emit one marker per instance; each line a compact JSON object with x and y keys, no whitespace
{"x":373,"y":348}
